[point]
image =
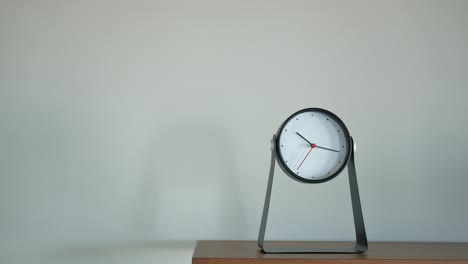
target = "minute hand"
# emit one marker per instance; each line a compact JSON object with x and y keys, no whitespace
{"x":326,"y":148}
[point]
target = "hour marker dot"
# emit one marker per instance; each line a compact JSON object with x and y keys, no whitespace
{"x":286,"y":130}
{"x":339,"y":130}
{"x":281,"y":145}
{"x":327,"y":119}
{"x":297,"y":118}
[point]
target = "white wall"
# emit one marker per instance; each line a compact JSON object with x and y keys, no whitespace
{"x":151,"y":120}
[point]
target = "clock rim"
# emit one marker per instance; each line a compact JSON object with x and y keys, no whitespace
{"x":279,"y":156}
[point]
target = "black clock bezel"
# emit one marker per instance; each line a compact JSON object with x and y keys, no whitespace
{"x":279,"y":156}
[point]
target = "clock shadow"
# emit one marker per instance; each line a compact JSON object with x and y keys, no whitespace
{"x":190,"y":188}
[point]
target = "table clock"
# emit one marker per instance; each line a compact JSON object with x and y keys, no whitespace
{"x":313,"y":146}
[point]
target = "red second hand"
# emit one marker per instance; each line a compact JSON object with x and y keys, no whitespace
{"x":311,"y":148}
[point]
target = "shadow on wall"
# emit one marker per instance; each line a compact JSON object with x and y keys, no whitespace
{"x":190,"y":187}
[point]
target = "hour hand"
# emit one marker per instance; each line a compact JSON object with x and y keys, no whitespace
{"x":304,"y":138}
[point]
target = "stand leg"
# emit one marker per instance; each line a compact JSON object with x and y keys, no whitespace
{"x":361,"y":238}
{"x":266,"y":206}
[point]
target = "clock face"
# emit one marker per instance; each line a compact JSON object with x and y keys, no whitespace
{"x":313,"y":145}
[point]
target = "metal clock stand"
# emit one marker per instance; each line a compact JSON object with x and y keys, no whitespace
{"x":361,"y":238}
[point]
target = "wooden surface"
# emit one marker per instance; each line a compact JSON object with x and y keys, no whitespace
{"x":105,"y":252}
{"x":236,"y":252}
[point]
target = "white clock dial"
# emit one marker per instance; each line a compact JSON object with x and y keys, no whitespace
{"x":313,"y":145}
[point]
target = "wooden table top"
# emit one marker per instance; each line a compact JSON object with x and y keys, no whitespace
{"x":224,"y":252}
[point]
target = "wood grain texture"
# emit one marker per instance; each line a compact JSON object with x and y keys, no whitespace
{"x":236,"y":252}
